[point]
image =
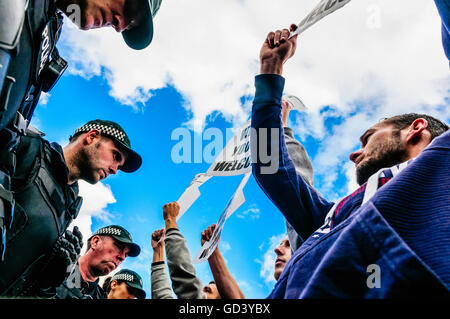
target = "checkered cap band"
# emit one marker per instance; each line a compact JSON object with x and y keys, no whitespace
{"x":109,"y":231}
{"x":125,"y":277}
{"x":105,"y":129}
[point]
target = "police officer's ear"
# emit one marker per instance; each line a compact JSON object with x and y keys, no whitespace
{"x":92,"y":136}
{"x":96,"y":242}
{"x":114,"y":284}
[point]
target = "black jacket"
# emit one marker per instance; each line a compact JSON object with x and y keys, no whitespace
{"x":45,"y":206}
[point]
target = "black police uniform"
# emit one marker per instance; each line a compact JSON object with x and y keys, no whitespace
{"x":74,"y":287}
{"x":45,"y":206}
{"x":29,"y":64}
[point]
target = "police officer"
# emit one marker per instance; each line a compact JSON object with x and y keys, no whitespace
{"x":30,"y":64}
{"x":125,"y":284}
{"x":40,"y":250}
{"x":106,"y":250}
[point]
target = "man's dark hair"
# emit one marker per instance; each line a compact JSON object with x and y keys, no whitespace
{"x":435,"y":126}
{"x":76,"y":136}
{"x":103,"y":138}
{"x":107,"y":285}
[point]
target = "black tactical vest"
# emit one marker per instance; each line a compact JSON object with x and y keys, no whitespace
{"x":45,"y":206}
{"x":74,"y":287}
{"x":30,"y":70}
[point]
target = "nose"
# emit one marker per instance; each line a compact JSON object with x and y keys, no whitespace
{"x":113,"y":168}
{"x":278,"y":251}
{"x":353,"y":156}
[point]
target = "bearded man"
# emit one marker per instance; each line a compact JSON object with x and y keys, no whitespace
{"x":387,"y":239}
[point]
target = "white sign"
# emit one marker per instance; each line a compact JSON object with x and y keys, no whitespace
{"x":295,"y":102}
{"x":324,"y":8}
{"x":233,"y":204}
{"x":235,"y":158}
{"x":191,"y":193}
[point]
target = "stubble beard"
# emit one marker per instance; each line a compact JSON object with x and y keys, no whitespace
{"x":85,"y":162}
{"x":384,"y":155}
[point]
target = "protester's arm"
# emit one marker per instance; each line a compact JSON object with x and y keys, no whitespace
{"x":296,"y":151}
{"x":185,"y":283}
{"x":443,"y":7}
{"x":159,"y":279}
{"x":302,"y":164}
{"x":226,"y":285}
{"x":302,"y":206}
{"x":160,"y":282}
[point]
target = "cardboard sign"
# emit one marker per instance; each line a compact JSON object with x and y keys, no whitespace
{"x":324,"y":8}
{"x":235,"y":158}
{"x":233,"y":204}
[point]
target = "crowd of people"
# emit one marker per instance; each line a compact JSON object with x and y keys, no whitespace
{"x":398,"y":220}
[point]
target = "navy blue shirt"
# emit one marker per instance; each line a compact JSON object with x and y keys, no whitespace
{"x":402,"y":231}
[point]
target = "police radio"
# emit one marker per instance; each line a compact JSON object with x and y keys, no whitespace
{"x":52,"y":71}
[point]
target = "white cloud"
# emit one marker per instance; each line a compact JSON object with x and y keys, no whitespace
{"x":350,"y":173}
{"x":224,"y":246}
{"x":369,"y":60}
{"x":245,"y":287}
{"x":378,"y":50}
{"x":252,"y":212}
{"x":43,"y":100}
{"x":95,"y":200}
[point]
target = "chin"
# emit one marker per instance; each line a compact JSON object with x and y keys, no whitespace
{"x":277,"y":274}
{"x":92,"y":180}
{"x":107,"y":270}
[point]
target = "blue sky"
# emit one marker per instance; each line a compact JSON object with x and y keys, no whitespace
{"x":366,"y":62}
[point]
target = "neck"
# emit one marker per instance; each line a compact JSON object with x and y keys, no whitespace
{"x":69,"y":156}
{"x":84,"y":269}
{"x":415,"y":150}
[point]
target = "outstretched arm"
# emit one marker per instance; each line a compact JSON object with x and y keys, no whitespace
{"x":301,"y":205}
{"x":226,"y":285}
{"x":185,"y":283}
{"x":159,"y":279}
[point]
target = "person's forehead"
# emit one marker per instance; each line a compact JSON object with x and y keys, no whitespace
{"x":375,"y":128}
